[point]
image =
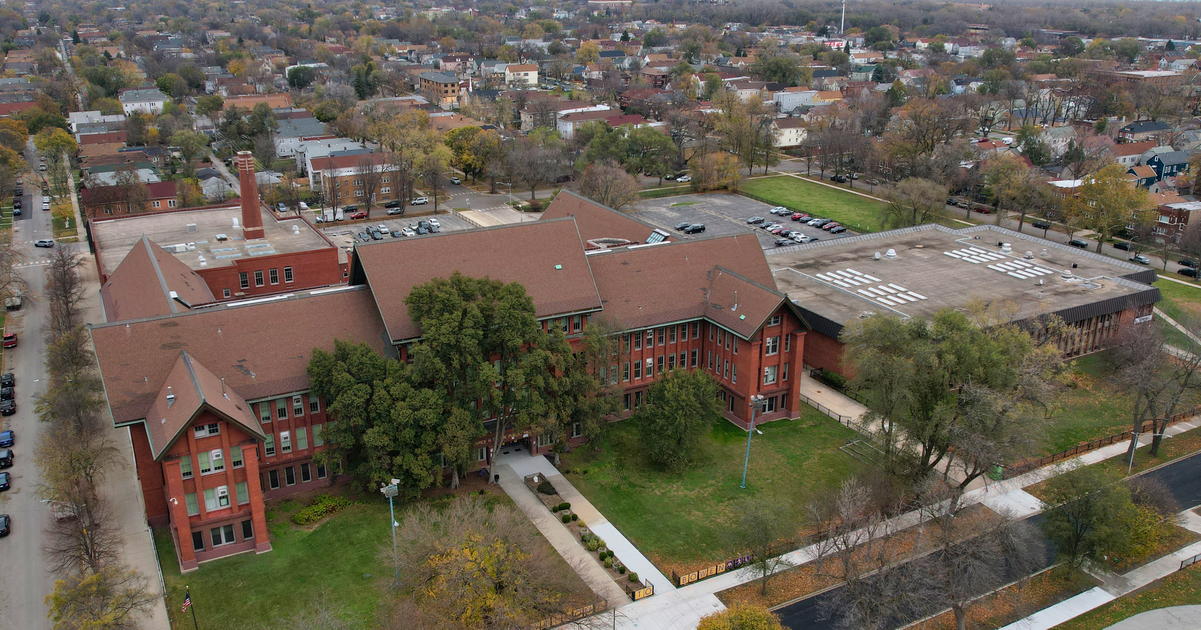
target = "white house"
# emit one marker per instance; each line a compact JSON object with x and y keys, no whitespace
{"x":142,"y":101}
{"x":74,"y":119}
{"x":521,"y":74}
{"x":789,"y":132}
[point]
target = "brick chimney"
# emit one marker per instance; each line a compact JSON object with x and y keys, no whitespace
{"x":252,"y":216}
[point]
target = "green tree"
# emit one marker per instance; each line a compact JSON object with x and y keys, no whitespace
{"x":1107,"y":202}
{"x":1087,"y":514}
{"x":191,"y":145}
{"x":1071,"y":46}
{"x":995,"y":57}
{"x":301,"y":77}
{"x":741,"y":617}
{"x":915,"y":201}
{"x":681,"y":407}
{"x":110,"y":599}
{"x":876,"y":34}
{"x":650,"y":151}
{"x":209,"y":104}
{"x":172,"y":84}
{"x":461,"y":142}
{"x":58,"y":147}
{"x":779,"y":68}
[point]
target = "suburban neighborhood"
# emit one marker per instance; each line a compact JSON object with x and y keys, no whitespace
{"x":715,"y":315}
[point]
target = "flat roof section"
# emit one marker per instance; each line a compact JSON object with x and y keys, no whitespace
{"x":936,"y":267}
{"x":198,"y":231}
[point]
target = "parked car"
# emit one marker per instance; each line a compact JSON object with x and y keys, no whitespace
{"x":435,"y":223}
{"x":799,"y":216}
{"x":350,"y":208}
{"x":1187,"y":262}
{"x":780,"y":242}
{"x":838,"y":230}
{"x":777,"y":229}
{"x":408,"y":232}
{"x":7,"y":438}
{"x":8,"y":407}
{"x":7,"y":393}
{"x":396,"y":234}
{"x":6,"y":524}
{"x":303,"y":206}
{"x":434,"y":229}
{"x":363,"y":236}
{"x":5,"y":481}
{"x":831,"y":225}
{"x":8,"y":380}
{"x":1078,"y":243}
{"x":456,"y":181}
{"x":951,"y":201}
{"x":820,"y":222}
{"x":45,"y":205}
{"x":684,"y":179}
{"x":359,"y":215}
{"x":16,"y":210}
{"x":838,"y":178}
{"x":680,"y":227}
{"x":754,"y":220}
{"x":982,"y":209}
{"x":420,"y":201}
{"x":780,"y":210}
{"x":376,"y":235}
{"x":421,"y":230}
{"x":1041,"y":225}
{"x":770,"y":226}
{"x":1187,"y":272}
{"x":393,"y":204}
{"x":10,"y":340}
{"x":696,"y":228}
{"x":1122,"y":245}
{"x":6,"y":458}
{"x":1140,"y":259}
{"x":395,"y":211}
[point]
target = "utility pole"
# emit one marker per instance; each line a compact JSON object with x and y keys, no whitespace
{"x":390,"y":492}
{"x":842,"y":28}
{"x":755,"y":401}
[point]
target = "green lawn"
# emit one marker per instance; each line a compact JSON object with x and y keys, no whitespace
{"x":856,"y":213}
{"x":340,"y":560}
{"x":1178,"y":589}
{"x":684,"y":520}
{"x":1183,"y":304}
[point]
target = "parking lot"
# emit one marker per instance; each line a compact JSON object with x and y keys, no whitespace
{"x":344,"y":233}
{"x":721,"y":213}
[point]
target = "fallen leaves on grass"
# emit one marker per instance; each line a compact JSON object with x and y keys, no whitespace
{"x":1016,"y":601}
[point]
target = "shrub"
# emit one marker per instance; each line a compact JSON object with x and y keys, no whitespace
{"x":321,"y":506}
{"x":608,"y":563}
{"x":633,"y":577}
{"x":575,"y":517}
{"x":546,"y":488}
{"x":564,"y":506}
{"x":566,"y":518}
{"x":592,"y":544}
{"x":834,"y":379}
{"x":621,"y":568}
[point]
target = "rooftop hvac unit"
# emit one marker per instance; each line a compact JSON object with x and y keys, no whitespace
{"x":1006,"y":248}
{"x":296,"y":230}
{"x":178,"y":248}
{"x":890,"y":254}
{"x":1029,"y":256}
{"x":191,"y":228}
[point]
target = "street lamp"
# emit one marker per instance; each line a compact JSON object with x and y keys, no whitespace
{"x":390,"y":492}
{"x":756,"y":401}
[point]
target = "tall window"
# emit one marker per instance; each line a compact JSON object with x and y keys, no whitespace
{"x":769,"y":405}
{"x":672,"y":335}
{"x":650,"y":338}
{"x":314,"y":404}
{"x":235,"y":456}
{"x":302,"y":438}
{"x":734,"y":375}
{"x":637,"y":341}
{"x":242,"y":492}
{"x":772,"y":346}
{"x":258,"y":278}
{"x":317,"y":441}
{"x":243,"y":280}
{"x":288,"y":274}
{"x":661,"y":335}
{"x":269,"y":445}
{"x":218,"y":460}
{"x":265,"y":412}
{"x":297,"y":406}
{"x":671,"y":361}
{"x":272,"y":478}
{"x":784,"y":377}
{"x":306,"y":473}
{"x":725,"y":372}
{"x":659,"y":361}
{"x":695,"y":354}
{"x":192,"y":504}
{"x":625,"y":372}
{"x":247,"y":530}
{"x":650,"y":367}
{"x":285,"y":441}
{"x":281,"y":408}
{"x":787,"y":343}
{"x":273,"y":275}
{"x":206,"y":466}
{"x":637,"y":369}
{"x":735,"y":345}
{"x":769,"y":374}
{"x":577,"y":323}
{"x":185,"y":466}
{"x":696,"y":330}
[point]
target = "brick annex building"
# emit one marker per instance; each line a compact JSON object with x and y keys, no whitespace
{"x":216,"y":396}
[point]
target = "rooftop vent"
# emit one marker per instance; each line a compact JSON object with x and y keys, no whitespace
{"x":1029,"y":256}
{"x":170,"y":397}
{"x":876,"y":256}
{"x":1067,"y":274}
{"x":1006,"y":248}
{"x":191,"y":228}
{"x":1044,"y":254}
{"x":890,"y":254}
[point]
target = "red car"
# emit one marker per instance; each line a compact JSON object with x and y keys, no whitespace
{"x":359,"y":215}
{"x":830,"y":226}
{"x":10,"y":340}
{"x":799,"y":216}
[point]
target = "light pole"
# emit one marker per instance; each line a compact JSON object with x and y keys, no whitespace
{"x":754,"y":403}
{"x":390,"y":492}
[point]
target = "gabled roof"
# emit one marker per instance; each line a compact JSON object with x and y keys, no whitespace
{"x":1132,"y":148}
{"x":261,"y":347}
{"x":1146,"y":126}
{"x":1171,"y":157}
{"x":595,"y":221}
{"x":1142,"y":172}
{"x":547,"y":257}
{"x":189,"y":389}
{"x":668,"y":282}
{"x":143,"y":283}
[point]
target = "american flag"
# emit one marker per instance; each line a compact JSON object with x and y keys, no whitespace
{"x":187,"y":601}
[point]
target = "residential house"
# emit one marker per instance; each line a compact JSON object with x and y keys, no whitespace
{"x":1168,"y":164}
{"x":1131,"y":153}
{"x":1142,"y":176}
{"x":521,"y":75}
{"x":350,"y":174}
{"x":789,"y":132}
{"x":1143,"y":131}
{"x":440,"y":88}
{"x":142,"y":101}
{"x":107,"y":201}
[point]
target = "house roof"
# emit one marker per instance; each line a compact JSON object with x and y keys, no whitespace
{"x":655,"y":284}
{"x":242,"y":342}
{"x":143,"y":284}
{"x":1142,"y":172}
{"x":351,"y":160}
{"x":1172,"y":157}
{"x":189,"y":389}
{"x":596,"y":222}
{"x":545,"y":256}
{"x":1146,"y":126}
{"x":1133,"y":148}
{"x":523,"y":67}
{"x":116,"y":194}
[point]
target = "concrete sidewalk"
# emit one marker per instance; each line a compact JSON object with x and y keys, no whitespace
{"x":564,"y":542}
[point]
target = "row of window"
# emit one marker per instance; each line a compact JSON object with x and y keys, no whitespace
{"x":285,"y":440}
{"x":281,"y":408}
{"x":664,"y":362}
{"x":154,"y":203}
{"x":289,"y":478}
{"x":272,"y":276}
{"x":664,"y":334}
{"x":211,"y":461}
{"x":217,"y":498}
{"x":222,"y":535}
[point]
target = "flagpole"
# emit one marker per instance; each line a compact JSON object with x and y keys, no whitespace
{"x":188,"y":596}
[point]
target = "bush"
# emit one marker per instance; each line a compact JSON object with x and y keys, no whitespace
{"x":621,"y":568}
{"x":546,"y":488}
{"x":564,"y":506}
{"x":321,"y":506}
{"x":592,"y":544}
{"x":633,"y":577}
{"x":834,"y":379}
{"x":566,"y":518}
{"x":608,"y":563}
{"x":575,"y":517}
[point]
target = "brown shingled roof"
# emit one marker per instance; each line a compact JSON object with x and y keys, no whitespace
{"x":141,"y":285}
{"x":547,"y":257}
{"x":596,"y":221}
{"x":262,"y":348}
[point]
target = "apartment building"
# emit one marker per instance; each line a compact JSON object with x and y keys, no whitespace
{"x":353,"y":178}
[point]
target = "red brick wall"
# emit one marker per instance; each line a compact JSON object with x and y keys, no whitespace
{"x":150,"y":476}
{"x":310,"y":269}
{"x":281,"y":461}
{"x":824,"y":352}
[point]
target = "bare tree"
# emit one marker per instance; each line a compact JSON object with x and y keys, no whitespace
{"x":915,"y":201}
{"x":609,"y":185}
{"x":11,"y":283}
{"x":765,"y":532}
{"x":112,"y":598}
{"x":1157,"y":381}
{"x":369,"y":173}
{"x":133,"y":191}
{"x":65,"y":290}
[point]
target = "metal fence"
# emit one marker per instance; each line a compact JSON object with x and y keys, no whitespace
{"x":845,"y":420}
{"x":1147,"y":427}
{"x":577,"y":614}
{"x":1188,"y":562}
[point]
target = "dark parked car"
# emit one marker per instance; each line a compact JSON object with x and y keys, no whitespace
{"x":820,"y":222}
{"x":392,"y":204}
{"x":397,"y":234}
{"x":365,"y":237}
{"x":6,"y":458}
{"x":951,"y":201}
{"x":839,"y":178}
{"x":696,"y":228}
{"x":7,"y":439}
{"x":376,"y":236}
{"x":8,"y":380}
{"x":7,"y":393}
{"x":1078,"y":243}
{"x":5,"y":482}
{"x":837,"y":230}
{"x":1122,"y":245}
{"x":421,"y":230}
{"x":755,"y":220}
{"x":6,"y":524}
{"x":8,"y":407}
{"x":1188,"y":262}
{"x":682,"y":226}
{"x":1042,"y":225}
{"x":780,"y":242}
{"x":1187,"y":272}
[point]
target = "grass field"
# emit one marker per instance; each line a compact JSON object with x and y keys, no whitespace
{"x":1178,"y":589}
{"x":343,"y":563}
{"x":1182,"y":303}
{"x":684,"y":520}
{"x":856,"y":213}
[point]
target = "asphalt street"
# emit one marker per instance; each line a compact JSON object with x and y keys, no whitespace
{"x":1182,"y":477}
{"x":27,"y":580}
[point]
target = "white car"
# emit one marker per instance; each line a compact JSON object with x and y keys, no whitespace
{"x":456,"y":180}
{"x":408,"y":232}
{"x":45,"y":242}
{"x":434,"y":222}
{"x":304,"y":206}
{"x":685,"y":179}
{"x":420,"y":201}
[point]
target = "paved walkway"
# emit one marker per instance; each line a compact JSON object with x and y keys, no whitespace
{"x":578,"y":558}
{"x":1177,"y":325}
{"x":828,"y":397}
{"x":1174,"y":618}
